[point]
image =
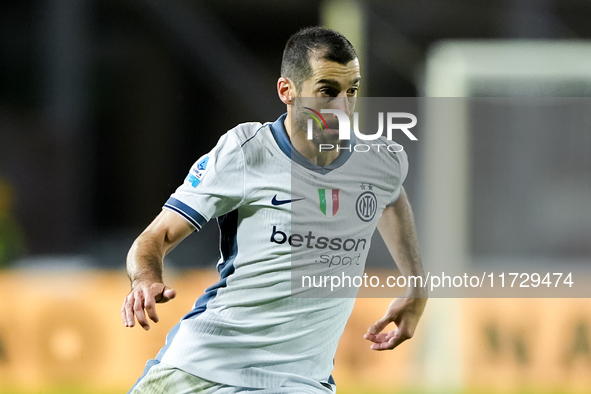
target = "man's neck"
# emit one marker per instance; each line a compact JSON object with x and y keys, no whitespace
{"x":308,"y":148}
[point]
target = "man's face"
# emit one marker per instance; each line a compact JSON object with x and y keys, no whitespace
{"x":331,"y":86}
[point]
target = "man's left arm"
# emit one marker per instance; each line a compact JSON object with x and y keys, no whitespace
{"x":397,"y":228}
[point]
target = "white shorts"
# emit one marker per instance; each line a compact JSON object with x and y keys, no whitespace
{"x":166,"y":379}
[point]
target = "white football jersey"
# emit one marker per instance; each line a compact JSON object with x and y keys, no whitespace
{"x":278,"y":214}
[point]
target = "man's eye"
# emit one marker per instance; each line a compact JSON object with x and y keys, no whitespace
{"x":328,"y":92}
{"x":353,"y":91}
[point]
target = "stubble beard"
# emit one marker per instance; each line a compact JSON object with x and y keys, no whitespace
{"x":319,"y":137}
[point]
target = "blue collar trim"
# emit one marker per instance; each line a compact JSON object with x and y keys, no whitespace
{"x":280,"y":134}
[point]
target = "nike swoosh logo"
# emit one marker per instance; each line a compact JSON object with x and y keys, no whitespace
{"x":275,"y":201}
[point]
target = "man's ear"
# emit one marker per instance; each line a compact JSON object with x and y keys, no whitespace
{"x":286,"y":90}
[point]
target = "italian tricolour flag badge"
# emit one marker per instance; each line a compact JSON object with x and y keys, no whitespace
{"x":329,"y":201}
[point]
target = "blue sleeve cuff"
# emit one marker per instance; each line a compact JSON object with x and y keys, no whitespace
{"x":191,"y":215}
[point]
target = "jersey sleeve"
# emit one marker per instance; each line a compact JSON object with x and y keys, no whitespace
{"x":402,"y":160}
{"x":214,"y":185}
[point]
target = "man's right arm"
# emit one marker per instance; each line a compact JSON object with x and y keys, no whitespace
{"x":144,"y":267}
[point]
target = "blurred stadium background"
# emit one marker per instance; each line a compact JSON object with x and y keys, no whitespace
{"x":104,"y":106}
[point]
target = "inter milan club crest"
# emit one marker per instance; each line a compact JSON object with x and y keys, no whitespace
{"x":367,"y":204}
{"x":329,"y":201}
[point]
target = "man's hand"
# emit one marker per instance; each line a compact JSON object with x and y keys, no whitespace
{"x":397,"y":228}
{"x":144,"y":267}
{"x":145,"y":296}
{"x":405,"y":313}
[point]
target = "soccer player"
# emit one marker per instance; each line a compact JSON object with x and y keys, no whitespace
{"x":278,"y":199}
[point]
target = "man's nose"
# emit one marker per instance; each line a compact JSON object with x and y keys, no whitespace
{"x":341,"y":103}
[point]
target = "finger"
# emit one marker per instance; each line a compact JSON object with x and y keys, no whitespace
{"x":387,"y":345}
{"x":166,"y":295}
{"x":393,"y":339}
{"x":150,"y":306}
{"x":379,"y":326}
{"x":399,"y":337}
{"x":123,"y":316}
{"x":381,"y":337}
{"x":129,"y":318}
{"x":138,"y":309}
{"x":392,"y":334}
{"x":397,"y":341}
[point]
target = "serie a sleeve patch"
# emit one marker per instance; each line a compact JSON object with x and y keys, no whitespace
{"x":198,"y":171}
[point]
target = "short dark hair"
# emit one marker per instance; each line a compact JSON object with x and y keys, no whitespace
{"x":324,"y":43}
